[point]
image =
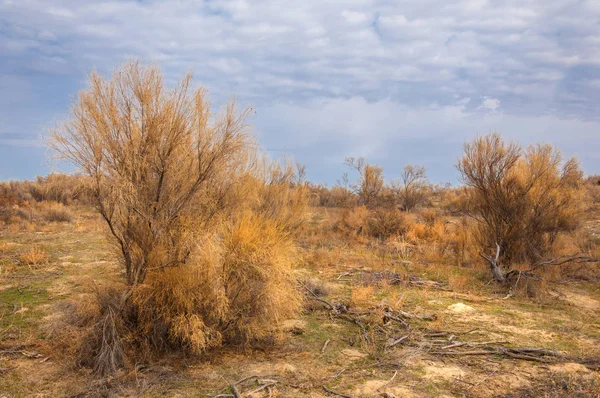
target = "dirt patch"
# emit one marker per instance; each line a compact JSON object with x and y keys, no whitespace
{"x":297,"y":326}
{"x":581,"y":301}
{"x":379,"y":388}
{"x":353,"y":355}
{"x":442,"y":372}
{"x":461,"y":308}
{"x":569,"y":368}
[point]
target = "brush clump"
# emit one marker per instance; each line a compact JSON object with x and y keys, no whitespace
{"x":202,"y":221}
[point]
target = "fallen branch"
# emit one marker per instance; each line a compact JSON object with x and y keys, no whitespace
{"x":262,"y":388}
{"x":339,"y":394}
{"x":325,"y":346}
{"x":235,"y":391}
{"x":389,"y":382}
{"x":396,"y":342}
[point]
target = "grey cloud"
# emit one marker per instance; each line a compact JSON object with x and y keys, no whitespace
{"x":347,"y":77}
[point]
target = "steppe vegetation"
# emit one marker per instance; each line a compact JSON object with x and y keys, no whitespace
{"x":182,"y":261}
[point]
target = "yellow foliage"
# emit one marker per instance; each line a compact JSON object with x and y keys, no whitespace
{"x":522,"y":199}
{"x":237,"y":289}
{"x":362,"y":295}
{"x":33,"y":256}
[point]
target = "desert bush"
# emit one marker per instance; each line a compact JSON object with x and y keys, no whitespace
{"x":593,"y":188}
{"x":370,"y":181}
{"x":521,"y":200}
{"x":385,"y":223}
{"x":159,"y":163}
{"x":55,"y":212}
{"x":354,"y":222}
{"x":410,"y":189}
{"x":202,"y":221}
{"x":380,"y":222}
{"x":342,"y":197}
{"x":33,"y":256}
{"x":58,"y":187}
{"x":236,"y":291}
{"x":430,"y":216}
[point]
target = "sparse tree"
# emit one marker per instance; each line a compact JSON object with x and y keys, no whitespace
{"x":158,"y":161}
{"x":370,"y":182}
{"x":203,"y":223}
{"x":410,"y":188}
{"x":521,"y":200}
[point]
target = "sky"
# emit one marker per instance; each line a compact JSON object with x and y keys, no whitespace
{"x":397,"y":82}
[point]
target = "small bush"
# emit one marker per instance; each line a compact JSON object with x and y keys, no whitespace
{"x":354,"y":222}
{"x":55,"y":212}
{"x":430,"y":216}
{"x":522,"y":200}
{"x":33,"y":256}
{"x":385,"y":223}
{"x":238,"y":292}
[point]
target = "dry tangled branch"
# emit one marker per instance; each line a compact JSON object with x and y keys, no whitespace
{"x":237,"y":391}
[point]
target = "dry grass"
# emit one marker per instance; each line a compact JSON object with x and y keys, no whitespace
{"x":54,"y":212}
{"x":298,"y":359}
{"x":33,"y":256}
{"x":237,"y":290}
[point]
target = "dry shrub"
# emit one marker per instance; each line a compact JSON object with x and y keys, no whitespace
{"x":370,"y":182}
{"x":462,"y":243}
{"x":521,"y":200}
{"x":382,"y":223}
{"x":362,"y":296}
{"x":430,"y":216}
{"x":593,"y":188}
{"x":354,"y":222}
{"x":102,"y":347}
{"x":54,"y":212}
{"x":342,"y":197}
{"x":336,"y":196}
{"x":316,"y":286}
{"x":33,"y":256}
{"x":238,"y":291}
{"x":203,"y":223}
{"x":454,"y":201}
{"x":159,"y":162}
{"x":385,"y":223}
{"x":416,"y":232}
{"x":58,"y":187}
{"x":411,"y":188}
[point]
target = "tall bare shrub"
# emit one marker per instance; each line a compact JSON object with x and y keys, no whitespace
{"x":410,"y":189}
{"x":157,"y":160}
{"x":370,"y":181}
{"x":203,"y":222}
{"x":522,"y":199}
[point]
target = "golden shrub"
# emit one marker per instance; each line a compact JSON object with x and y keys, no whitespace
{"x":522,"y":199}
{"x":354,"y":222}
{"x":202,"y":222}
{"x":385,"y":223}
{"x":54,"y":212}
{"x":33,"y":256}
{"x":237,"y":290}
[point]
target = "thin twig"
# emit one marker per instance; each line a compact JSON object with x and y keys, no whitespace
{"x":325,"y":346}
{"x":389,"y":382}
{"x":339,"y":394}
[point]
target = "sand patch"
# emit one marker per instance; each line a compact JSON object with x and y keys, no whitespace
{"x":377,"y":388}
{"x":444,"y":372}
{"x":353,"y":355}
{"x":461,"y":308}
{"x":297,"y":326}
{"x":579,"y":300}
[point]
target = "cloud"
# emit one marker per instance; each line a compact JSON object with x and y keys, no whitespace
{"x":491,"y":103}
{"x":525,"y":61}
{"x":391,"y":134}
